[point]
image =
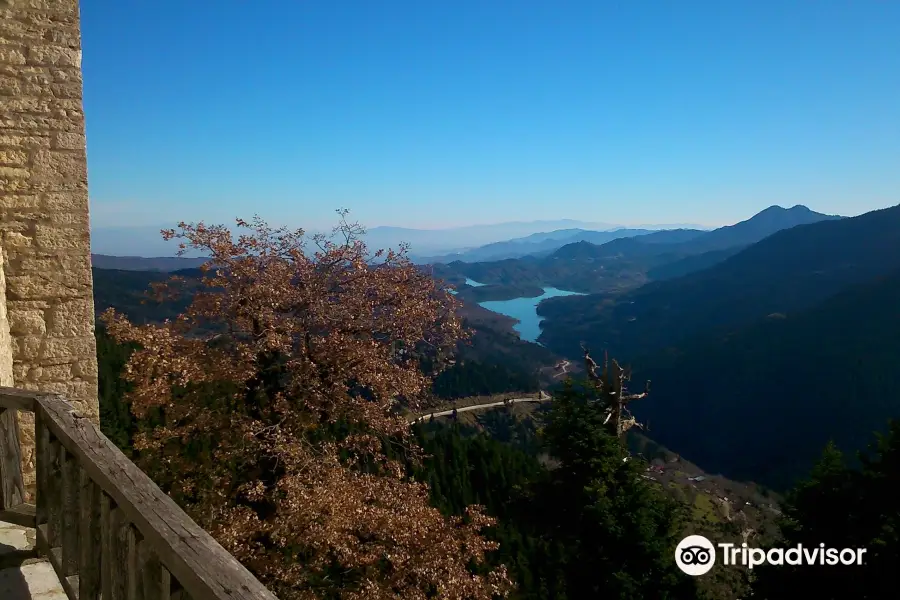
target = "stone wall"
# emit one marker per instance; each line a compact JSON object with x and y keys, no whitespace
{"x":44,"y":229}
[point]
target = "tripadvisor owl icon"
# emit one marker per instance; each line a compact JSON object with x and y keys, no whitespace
{"x":695,"y":555}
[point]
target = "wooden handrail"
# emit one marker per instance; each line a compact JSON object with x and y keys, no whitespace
{"x":101,"y":521}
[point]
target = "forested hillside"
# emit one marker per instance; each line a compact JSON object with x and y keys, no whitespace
{"x":626,"y":262}
{"x":761,"y":402}
{"x":556,"y":542}
{"x":843,"y":504}
{"x":493,"y":361}
{"x":791,"y":270}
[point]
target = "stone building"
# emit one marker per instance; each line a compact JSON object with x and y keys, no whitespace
{"x":46,"y":292}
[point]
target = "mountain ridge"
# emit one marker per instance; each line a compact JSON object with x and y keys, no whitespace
{"x":624,"y":262}
{"x":789,"y":270}
{"x":766,"y":398}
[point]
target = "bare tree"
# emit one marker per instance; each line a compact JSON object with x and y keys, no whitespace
{"x":610,"y":383}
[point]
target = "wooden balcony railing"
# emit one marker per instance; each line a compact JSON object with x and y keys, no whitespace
{"x":106,"y":528}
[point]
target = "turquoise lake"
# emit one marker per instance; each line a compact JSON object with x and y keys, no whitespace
{"x":523,"y":309}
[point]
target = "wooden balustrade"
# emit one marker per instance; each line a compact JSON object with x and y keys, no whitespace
{"x":106,"y":528}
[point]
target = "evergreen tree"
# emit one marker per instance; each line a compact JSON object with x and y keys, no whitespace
{"x":116,"y":419}
{"x":618,"y":532}
{"x":843,"y":506}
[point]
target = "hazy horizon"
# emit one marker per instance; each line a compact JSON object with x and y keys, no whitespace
{"x":164,"y":225}
{"x":146,"y":241}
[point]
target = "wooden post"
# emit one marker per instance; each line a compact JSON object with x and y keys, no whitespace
{"x":70,"y":517}
{"x":106,"y":549}
{"x":90,"y":553}
{"x":130,"y":538}
{"x":41,"y":438}
{"x":12,"y":488}
{"x":117,"y":542}
{"x":155,"y":580}
{"x":49,"y":509}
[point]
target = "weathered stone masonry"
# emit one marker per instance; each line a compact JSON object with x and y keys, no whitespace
{"x":48,"y":323}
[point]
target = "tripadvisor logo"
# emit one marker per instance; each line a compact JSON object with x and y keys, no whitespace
{"x":695,"y":555}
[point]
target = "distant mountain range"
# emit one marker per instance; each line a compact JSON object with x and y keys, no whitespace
{"x":624,"y":262}
{"x":146,"y":241}
{"x":542,"y":244}
{"x":692,"y":240}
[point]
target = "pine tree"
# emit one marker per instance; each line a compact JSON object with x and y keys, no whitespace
{"x":843,"y":506}
{"x":618,"y":532}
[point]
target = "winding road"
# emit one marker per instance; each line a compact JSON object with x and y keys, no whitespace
{"x":564,"y":365}
{"x":446,"y":413}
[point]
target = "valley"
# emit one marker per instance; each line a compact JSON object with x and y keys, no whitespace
{"x":755,"y":334}
{"x":752,"y":362}
{"x":745,"y":328}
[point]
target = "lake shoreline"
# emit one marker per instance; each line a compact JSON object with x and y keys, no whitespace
{"x":523,"y":309}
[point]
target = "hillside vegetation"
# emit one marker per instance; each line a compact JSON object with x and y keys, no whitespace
{"x":761,"y":402}
{"x":789,"y":271}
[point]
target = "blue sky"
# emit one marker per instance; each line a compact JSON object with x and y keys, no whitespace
{"x":427,"y":113}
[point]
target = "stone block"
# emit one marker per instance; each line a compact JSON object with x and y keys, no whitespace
{"x":68,"y":348}
{"x":74,"y":318}
{"x":40,"y":122}
{"x":66,"y":75}
{"x":64,"y":37}
{"x":16,"y":30}
{"x":11,"y":222}
{"x":65,"y":107}
{"x":25,"y":219}
{"x":21,"y":139}
{"x":69,"y":219}
{"x":12,"y":55}
{"x":55,"y":165}
{"x":20,"y":201}
{"x":14,"y":172}
{"x":9,"y":86}
{"x":60,"y":238}
{"x":68,"y":90}
{"x":37,"y":286}
{"x":59,"y":373}
{"x":26,"y":321}
{"x":27,"y":348}
{"x":86,"y":408}
{"x":26,"y":104}
{"x":15,"y":239}
{"x":20,"y":372}
{"x":61,"y":11}
{"x":54,"y":55}
{"x":13,"y":157}
{"x":81,"y":394}
{"x":74,"y":271}
{"x":85,"y":369}
{"x":51,"y":387}
{"x":68,"y":140}
{"x":73,"y":201}
{"x":37,"y":75}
